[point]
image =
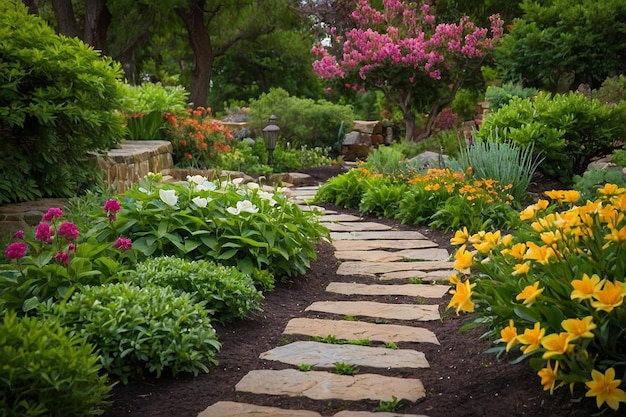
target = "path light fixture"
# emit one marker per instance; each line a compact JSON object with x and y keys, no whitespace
{"x":270,"y":135}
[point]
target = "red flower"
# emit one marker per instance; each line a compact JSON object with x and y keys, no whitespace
{"x":16,"y":250}
{"x":53,"y":212}
{"x":68,"y":230}
{"x":44,"y":233}
{"x":123,"y":244}
{"x":62,"y":258}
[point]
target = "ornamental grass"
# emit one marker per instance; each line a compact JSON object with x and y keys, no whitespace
{"x":552,"y":292}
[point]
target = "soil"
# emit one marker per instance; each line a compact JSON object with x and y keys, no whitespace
{"x":462,"y":379}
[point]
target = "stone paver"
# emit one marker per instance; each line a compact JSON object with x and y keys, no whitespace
{"x":234,"y":409}
{"x":340,"y":218}
{"x":411,"y":290}
{"x":320,"y":385}
{"x":356,"y":227}
{"x":384,"y":235}
{"x":341,"y":245}
{"x":419,"y":312}
{"x":374,"y":268}
{"x":354,"y":330}
{"x":325,"y":355}
{"x":439,"y":275}
{"x":430,"y":254}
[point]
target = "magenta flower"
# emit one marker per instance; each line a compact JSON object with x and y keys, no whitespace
{"x":123,"y":243}
{"x":71,"y":247}
{"x":44,"y":233}
{"x":62,"y":258}
{"x":16,"y":250}
{"x":111,"y":207}
{"x":68,"y":230}
{"x":52,"y":213}
{"x":19,"y":234}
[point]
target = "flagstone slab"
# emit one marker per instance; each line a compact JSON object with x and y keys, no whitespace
{"x":354,"y":330}
{"x":319,"y":385}
{"x":311,"y":207}
{"x":411,"y":290}
{"x":431,"y":254}
{"x":440,"y":275}
{"x":325,"y":355}
{"x":356,"y":226}
{"x":343,"y":245}
{"x":340,"y":218}
{"x":234,"y":409}
{"x":374,"y":268}
{"x":348,"y":413}
{"x":418,"y":312}
{"x":382,"y":235}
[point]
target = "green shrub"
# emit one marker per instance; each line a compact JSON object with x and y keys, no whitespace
{"x":47,"y":370}
{"x":58,"y":101}
{"x":226,"y":292}
{"x":142,"y":329}
{"x":290,"y":158}
{"x":567,"y":129}
{"x":594,"y":179}
{"x":343,"y":190}
{"x":502,"y":161}
{"x":301,"y":121}
{"x":619,"y":157}
{"x":499,"y":96}
{"x":465,"y":103}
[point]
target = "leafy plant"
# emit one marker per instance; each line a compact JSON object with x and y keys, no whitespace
{"x":58,"y":102}
{"x":390,"y":406}
{"x":226,"y":293}
{"x":619,"y":157}
{"x":390,"y":345}
{"x":48,"y":370}
{"x":142,"y":329}
{"x":343,"y":368}
{"x":498,"y":96}
{"x":552,"y":291}
{"x":305,"y":367}
{"x":359,"y":342}
{"x":591,"y":181}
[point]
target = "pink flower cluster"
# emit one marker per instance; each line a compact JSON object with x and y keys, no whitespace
{"x":111,"y":207}
{"x":405,"y":36}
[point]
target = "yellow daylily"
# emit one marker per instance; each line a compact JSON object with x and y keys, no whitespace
{"x":605,"y":388}
{"x":509,"y":335}
{"x":528,"y":213}
{"x":585,"y":288}
{"x":611,"y":189}
{"x":542,"y":254}
{"x":610,"y":296}
{"x":460,"y":237}
{"x":463,"y":259}
{"x":531,"y":338}
{"x":579,"y":327}
{"x":556,"y":344}
{"x":529,"y":294}
{"x":517,"y":251}
{"x":548,"y":376}
{"x":461,"y":299}
{"x":507,"y":239}
{"x":520,"y":269}
{"x":616,"y":236}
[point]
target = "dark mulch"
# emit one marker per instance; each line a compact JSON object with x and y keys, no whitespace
{"x":462,"y":380}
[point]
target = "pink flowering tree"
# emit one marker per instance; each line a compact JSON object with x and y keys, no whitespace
{"x":418,"y":64}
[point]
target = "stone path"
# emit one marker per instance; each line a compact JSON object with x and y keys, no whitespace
{"x":403,"y":262}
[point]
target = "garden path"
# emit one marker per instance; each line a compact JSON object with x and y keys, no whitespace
{"x":405,"y":263}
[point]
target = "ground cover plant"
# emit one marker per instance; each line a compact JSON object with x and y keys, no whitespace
{"x":552,"y":291}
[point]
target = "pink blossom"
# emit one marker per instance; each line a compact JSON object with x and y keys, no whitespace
{"x":68,"y":230}
{"x":19,"y":234}
{"x":52,"y":213}
{"x":111,"y":207}
{"x":71,"y":247}
{"x":62,"y":258}
{"x":44,"y":233}
{"x":123,"y":243}
{"x":16,"y":250}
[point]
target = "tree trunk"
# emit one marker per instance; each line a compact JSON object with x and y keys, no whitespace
{"x":97,"y":21}
{"x":200,"y":42}
{"x":409,"y":124}
{"x":66,"y":20}
{"x":33,"y":8}
{"x":439,"y":104}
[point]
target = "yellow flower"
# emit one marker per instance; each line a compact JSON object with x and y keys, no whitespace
{"x":462,"y":297}
{"x":528,"y":213}
{"x":548,"y":376}
{"x":454,"y":279}
{"x":579,"y":327}
{"x":520,"y":269}
{"x":555,"y":344}
{"x":611,"y":189}
{"x":507,"y":239}
{"x":616,"y":236}
{"x":554,"y":194}
{"x":530,"y":293}
{"x":571,"y":196}
{"x":463,"y":259}
{"x":610,"y":296}
{"x":542,"y":254}
{"x":477,"y":237}
{"x":460,"y":237}
{"x":585,"y":288}
{"x":517,"y":251}
{"x":542,"y":204}
{"x":605,"y":388}
{"x":531,"y":338}
{"x":509,"y":335}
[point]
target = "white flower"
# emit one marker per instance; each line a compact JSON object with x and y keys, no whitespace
{"x":169,"y":197}
{"x":143,"y":190}
{"x":196,"y":179}
{"x":267,"y":196}
{"x":200,"y":202}
{"x":206,"y":186}
{"x":253,"y":185}
{"x":244,"y":206}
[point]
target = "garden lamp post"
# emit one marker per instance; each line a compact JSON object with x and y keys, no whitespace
{"x":270,"y":135}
